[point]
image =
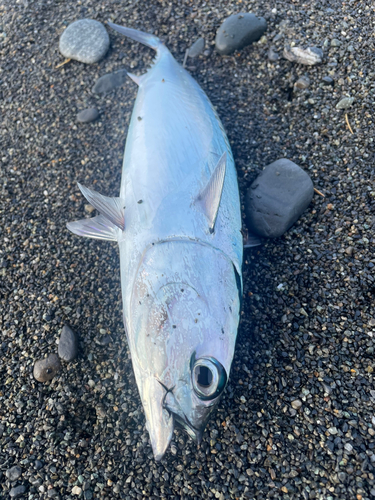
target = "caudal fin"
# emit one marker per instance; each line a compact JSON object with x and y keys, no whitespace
{"x":151,"y":41}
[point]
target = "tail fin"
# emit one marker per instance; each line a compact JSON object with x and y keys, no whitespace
{"x":151,"y":41}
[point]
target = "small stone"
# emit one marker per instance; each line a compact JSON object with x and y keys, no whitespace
{"x":197,"y":48}
{"x":89,"y":208}
{"x":302,"y":83}
{"x":110,"y":81}
{"x":13,"y":473}
{"x":348,"y":447}
{"x":372,"y":322}
{"x":45,"y":369}
{"x":85,"y":40}
{"x":272,"y":55}
{"x":277,"y":198}
{"x":327,"y":80}
{"x":335,"y":42}
{"x":38,"y":464}
{"x":87,"y":115}
{"x":349,"y":250}
{"x":87,"y":495}
{"x":68,"y":344}
{"x":309,"y":56}
{"x":341,"y":476}
{"x":296,"y":404}
{"x":52,"y":493}
{"x":345,"y":103}
{"x":238,"y":31}
{"x":2,"y":429}
{"x":76,"y":490}
{"x":17,"y":491}
{"x":332,"y":430}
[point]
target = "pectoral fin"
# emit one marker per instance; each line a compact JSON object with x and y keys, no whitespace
{"x":98,"y":228}
{"x":208,"y":200}
{"x":112,"y":208}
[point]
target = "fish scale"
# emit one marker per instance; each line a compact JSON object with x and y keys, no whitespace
{"x":177,"y":222}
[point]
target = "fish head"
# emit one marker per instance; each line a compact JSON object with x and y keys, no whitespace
{"x":182,"y":353}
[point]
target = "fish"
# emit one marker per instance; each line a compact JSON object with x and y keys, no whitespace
{"x":177,"y":222}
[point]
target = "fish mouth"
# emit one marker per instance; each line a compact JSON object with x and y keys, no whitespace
{"x":172,"y":406}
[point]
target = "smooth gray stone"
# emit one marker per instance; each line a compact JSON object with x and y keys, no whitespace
{"x":302,"y":83}
{"x":68,"y":344}
{"x":110,"y":81}
{"x":277,"y":198}
{"x":14,"y":473}
{"x":45,"y":369}
{"x":345,"y":103}
{"x":238,"y":31}
{"x":197,"y":48}
{"x":85,"y":40}
{"x":87,"y":115}
{"x":17,"y":491}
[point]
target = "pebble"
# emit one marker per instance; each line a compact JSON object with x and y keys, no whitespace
{"x":52,"y":493}
{"x":85,"y":40}
{"x":197,"y":48}
{"x":273,"y":55}
{"x":238,"y":31}
{"x":277,"y":198}
{"x":309,"y":56}
{"x":296,"y":404}
{"x":335,"y":42}
{"x":68,"y":344}
{"x":45,"y":369}
{"x":345,"y":103}
{"x":328,"y":80}
{"x":349,"y":250}
{"x":302,"y":83}
{"x":76,"y":490}
{"x":2,"y":429}
{"x":87,"y":115}
{"x":110,"y":81}
{"x":17,"y":491}
{"x":13,"y":473}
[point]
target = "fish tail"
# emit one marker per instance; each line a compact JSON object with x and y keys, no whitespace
{"x":151,"y":41}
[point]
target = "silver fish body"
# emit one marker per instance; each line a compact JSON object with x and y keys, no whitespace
{"x":177,"y":221}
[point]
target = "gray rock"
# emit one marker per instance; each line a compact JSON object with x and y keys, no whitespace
{"x":277,"y":198}
{"x":38,"y":464}
{"x":296,"y":404}
{"x":345,"y":103}
{"x":2,"y":429}
{"x":197,"y":48}
{"x":52,"y":493}
{"x":272,"y":55}
{"x":238,"y":31}
{"x":302,"y":83}
{"x":17,"y":491}
{"x":328,"y":80}
{"x":87,"y":115}
{"x":68,"y":344}
{"x":335,"y":42}
{"x":85,"y":40}
{"x":110,"y":81}
{"x":14,"y":473}
{"x":45,"y":369}
{"x":309,"y":56}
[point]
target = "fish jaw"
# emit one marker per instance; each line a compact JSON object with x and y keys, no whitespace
{"x":159,"y":421}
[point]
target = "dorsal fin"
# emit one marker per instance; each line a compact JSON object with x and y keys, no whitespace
{"x":98,"y":228}
{"x":208,"y":200}
{"x":112,"y":208}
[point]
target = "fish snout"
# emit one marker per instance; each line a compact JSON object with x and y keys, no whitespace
{"x":159,"y":420}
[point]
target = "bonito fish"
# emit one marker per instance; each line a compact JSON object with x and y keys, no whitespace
{"x":177,"y":222}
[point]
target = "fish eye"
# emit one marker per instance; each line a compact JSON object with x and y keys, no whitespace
{"x":209,"y":378}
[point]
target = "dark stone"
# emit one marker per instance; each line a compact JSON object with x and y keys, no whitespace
{"x":38,"y":464}
{"x":68,"y":344}
{"x":87,"y":495}
{"x":45,"y":369}
{"x":17,"y":491}
{"x":238,"y":31}
{"x":85,"y":40}
{"x":87,"y":115}
{"x":13,"y":473}
{"x":110,"y":82}
{"x":277,"y":198}
{"x":328,"y":80}
{"x":196,"y":48}
{"x":272,"y":55}
{"x":52,"y":493}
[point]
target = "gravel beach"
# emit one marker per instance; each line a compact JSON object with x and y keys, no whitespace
{"x":297,"y":419}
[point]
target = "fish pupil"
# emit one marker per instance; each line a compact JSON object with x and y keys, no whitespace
{"x":204,"y":376}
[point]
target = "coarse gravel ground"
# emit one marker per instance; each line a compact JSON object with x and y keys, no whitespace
{"x":297,"y":418}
